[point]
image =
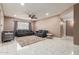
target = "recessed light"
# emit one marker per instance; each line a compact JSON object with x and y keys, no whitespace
{"x":72,"y":52}
{"x":47,"y":14}
{"x":14,"y":15}
{"x":61,"y":23}
{"x":22,"y":3}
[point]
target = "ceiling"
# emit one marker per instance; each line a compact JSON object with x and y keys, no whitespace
{"x":41,"y":10}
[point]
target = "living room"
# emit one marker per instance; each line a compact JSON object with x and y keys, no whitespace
{"x":39,"y":28}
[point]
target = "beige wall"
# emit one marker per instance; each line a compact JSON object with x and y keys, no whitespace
{"x":1,"y":18}
{"x":33,"y":24}
{"x":8,"y":24}
{"x":1,"y":21}
{"x":68,"y":16}
{"x":51,"y":24}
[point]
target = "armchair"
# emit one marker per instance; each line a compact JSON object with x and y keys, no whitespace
{"x":41,"y":33}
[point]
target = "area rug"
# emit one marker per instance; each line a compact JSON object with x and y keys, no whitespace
{"x":27,"y":40}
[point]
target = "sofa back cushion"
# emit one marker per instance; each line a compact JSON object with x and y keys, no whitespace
{"x":40,"y":31}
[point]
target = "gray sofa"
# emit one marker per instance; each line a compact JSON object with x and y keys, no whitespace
{"x":20,"y":33}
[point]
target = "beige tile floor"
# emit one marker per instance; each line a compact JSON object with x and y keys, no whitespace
{"x":55,"y":46}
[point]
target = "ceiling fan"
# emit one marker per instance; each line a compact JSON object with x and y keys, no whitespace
{"x":31,"y":15}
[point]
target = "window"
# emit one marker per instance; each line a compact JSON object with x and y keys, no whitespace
{"x":22,"y":26}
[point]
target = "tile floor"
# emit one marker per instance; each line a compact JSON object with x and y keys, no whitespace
{"x":55,"y":46}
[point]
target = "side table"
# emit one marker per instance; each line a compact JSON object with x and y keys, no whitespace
{"x":50,"y":36}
